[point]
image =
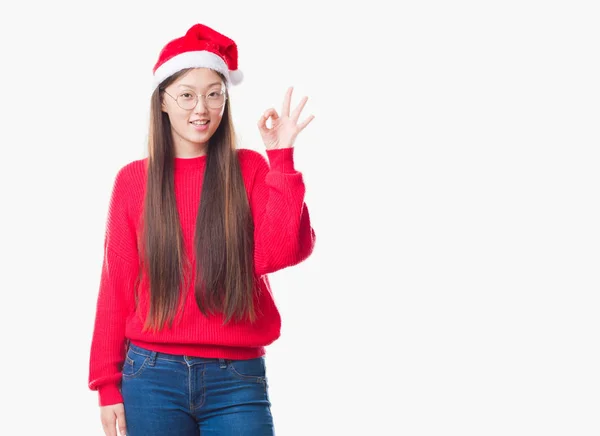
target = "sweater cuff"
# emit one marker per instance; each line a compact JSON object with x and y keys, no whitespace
{"x":282,"y":160}
{"x":109,"y":394}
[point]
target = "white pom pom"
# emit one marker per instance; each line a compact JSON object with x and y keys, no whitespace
{"x":236,"y":77}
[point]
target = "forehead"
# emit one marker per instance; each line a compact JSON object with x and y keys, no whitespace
{"x":199,"y":78}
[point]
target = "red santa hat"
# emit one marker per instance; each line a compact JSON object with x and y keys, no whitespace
{"x":201,"y":46}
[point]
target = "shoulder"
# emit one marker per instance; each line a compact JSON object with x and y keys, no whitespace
{"x":252,"y":162}
{"x":131,"y":172}
{"x":129,"y":183}
{"x":251,"y":158}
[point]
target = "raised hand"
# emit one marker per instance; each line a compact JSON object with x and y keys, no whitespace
{"x":285,"y":128}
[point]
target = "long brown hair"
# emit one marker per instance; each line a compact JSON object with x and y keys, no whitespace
{"x":223,"y":239}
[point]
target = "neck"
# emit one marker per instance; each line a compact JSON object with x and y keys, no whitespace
{"x":186,"y":150}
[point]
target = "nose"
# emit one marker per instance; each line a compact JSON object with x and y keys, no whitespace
{"x":201,"y":105}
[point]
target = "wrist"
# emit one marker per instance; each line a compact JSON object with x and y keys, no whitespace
{"x":109,"y":394}
{"x":282,"y":159}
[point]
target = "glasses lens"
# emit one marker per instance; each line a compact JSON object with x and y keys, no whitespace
{"x":187,"y":100}
{"x":215,"y":100}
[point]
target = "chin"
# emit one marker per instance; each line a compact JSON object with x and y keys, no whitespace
{"x":199,"y":138}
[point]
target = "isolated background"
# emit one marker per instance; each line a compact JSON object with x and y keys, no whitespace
{"x":452,"y":178}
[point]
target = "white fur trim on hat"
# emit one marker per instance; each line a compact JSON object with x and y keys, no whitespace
{"x":196,"y":59}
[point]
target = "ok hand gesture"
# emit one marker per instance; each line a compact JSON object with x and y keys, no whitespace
{"x":284,"y":128}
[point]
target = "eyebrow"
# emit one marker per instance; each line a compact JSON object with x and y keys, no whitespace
{"x":191,"y":87}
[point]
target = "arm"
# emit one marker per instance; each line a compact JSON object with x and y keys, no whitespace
{"x":283,"y":235}
{"x":115,"y":297}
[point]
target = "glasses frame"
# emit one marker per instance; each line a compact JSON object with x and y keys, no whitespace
{"x":223,"y":92}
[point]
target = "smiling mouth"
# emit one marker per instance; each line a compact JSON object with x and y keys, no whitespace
{"x":199,"y":123}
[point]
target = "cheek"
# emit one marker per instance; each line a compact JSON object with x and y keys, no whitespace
{"x":216,"y":122}
{"x":178,"y":121}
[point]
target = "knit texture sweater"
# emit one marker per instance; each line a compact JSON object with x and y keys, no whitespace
{"x":283,"y":237}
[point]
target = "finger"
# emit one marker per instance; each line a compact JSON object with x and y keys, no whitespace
{"x":109,"y":427}
{"x":285,"y":109}
{"x":305,"y":123}
{"x":269,"y":113}
{"x":296,"y":114}
{"x":121,"y":422}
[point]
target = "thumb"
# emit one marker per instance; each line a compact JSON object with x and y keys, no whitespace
{"x":120,"y":412}
{"x":262,"y":122}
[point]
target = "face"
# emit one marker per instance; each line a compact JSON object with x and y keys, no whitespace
{"x":193,"y":125}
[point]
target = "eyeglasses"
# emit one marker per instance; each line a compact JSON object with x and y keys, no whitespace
{"x":188,"y":100}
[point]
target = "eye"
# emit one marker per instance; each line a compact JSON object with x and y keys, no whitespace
{"x":187,"y":95}
{"x":214,"y":94}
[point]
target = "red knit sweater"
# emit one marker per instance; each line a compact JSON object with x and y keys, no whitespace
{"x":283,"y":237}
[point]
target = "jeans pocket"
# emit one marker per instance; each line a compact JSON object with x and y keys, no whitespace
{"x":134,"y":364}
{"x":249,"y":369}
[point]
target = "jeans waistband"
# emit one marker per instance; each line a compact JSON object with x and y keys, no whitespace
{"x":173,"y":357}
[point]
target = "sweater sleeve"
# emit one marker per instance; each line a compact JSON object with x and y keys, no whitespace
{"x":283,"y":235}
{"x":115,"y":297}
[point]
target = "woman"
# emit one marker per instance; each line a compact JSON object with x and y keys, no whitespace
{"x":185,"y":309}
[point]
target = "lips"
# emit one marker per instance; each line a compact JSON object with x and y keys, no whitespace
{"x":200,"y":125}
{"x":199,"y":122}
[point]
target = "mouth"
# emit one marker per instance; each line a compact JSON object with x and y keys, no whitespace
{"x":200,"y":125}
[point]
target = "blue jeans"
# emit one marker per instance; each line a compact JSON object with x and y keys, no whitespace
{"x":165,"y":394}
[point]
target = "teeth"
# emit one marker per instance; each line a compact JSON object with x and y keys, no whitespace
{"x":199,"y":123}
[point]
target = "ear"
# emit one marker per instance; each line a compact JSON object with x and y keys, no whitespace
{"x":163,"y":105}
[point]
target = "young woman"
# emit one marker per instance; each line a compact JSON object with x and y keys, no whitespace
{"x":185,"y":309}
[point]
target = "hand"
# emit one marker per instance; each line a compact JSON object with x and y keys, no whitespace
{"x":110,"y":416}
{"x":284,"y":129}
